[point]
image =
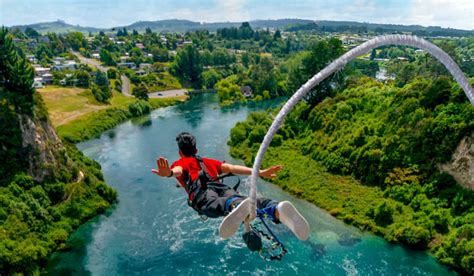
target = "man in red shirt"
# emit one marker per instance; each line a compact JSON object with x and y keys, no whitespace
{"x":209,"y":197}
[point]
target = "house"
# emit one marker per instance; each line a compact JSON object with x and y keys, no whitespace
{"x":140,"y":73}
{"x":41,"y":71}
{"x":43,"y":39}
{"x":68,"y":65}
{"x":139,"y":46}
{"x":96,"y":55}
{"x":68,"y":80}
{"x":38,"y":83}
{"x":32,"y":44}
{"x":129,"y":65}
{"x":32,"y":58}
{"x":246,"y":91}
{"x":184,"y":43}
{"x":145,"y":66}
{"x":59,"y":60}
{"x":48,"y":78}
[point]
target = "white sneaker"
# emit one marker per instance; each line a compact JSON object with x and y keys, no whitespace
{"x":231,"y":223}
{"x":289,"y":216}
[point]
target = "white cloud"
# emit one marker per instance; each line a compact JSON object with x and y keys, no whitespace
{"x":234,"y":10}
{"x":231,"y":10}
{"x":445,"y":13}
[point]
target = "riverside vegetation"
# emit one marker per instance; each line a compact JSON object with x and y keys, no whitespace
{"x":369,"y":156}
{"x":47,"y":188}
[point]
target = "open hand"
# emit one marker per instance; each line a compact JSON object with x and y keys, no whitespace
{"x":271,"y":172}
{"x":163,"y":167}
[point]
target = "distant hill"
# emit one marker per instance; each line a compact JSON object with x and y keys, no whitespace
{"x":58,"y":26}
{"x":180,"y":25}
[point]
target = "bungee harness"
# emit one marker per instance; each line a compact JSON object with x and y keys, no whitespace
{"x":274,"y":250}
{"x":202,"y":183}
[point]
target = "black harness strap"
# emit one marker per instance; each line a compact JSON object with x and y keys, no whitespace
{"x":203,"y":182}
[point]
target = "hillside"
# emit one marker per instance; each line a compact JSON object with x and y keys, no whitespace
{"x":48,"y":188}
{"x":386,"y":144}
{"x":180,"y":25}
{"x":58,"y":26}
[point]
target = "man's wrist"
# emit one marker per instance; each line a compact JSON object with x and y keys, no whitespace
{"x":171,"y":173}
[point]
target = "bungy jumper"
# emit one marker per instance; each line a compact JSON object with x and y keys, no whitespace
{"x":277,"y":250}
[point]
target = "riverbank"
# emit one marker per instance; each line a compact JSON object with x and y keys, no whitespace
{"x":347,"y":199}
{"x":78,"y":117}
{"x":355,"y":135}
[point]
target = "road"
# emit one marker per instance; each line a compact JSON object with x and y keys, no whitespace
{"x":126,"y":87}
{"x":89,"y":61}
{"x":126,"y":90}
{"x":168,"y":93}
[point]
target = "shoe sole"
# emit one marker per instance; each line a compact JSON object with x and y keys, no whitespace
{"x":289,"y":216}
{"x":231,"y":223}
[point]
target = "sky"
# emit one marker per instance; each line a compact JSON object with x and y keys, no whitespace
{"x":111,"y":13}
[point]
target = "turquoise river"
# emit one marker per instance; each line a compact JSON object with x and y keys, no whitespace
{"x":152,"y":231}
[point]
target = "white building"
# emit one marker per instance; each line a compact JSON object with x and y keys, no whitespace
{"x":38,"y":83}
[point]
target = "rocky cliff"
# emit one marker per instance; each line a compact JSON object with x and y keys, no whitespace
{"x":45,"y":153}
{"x":461,"y":166}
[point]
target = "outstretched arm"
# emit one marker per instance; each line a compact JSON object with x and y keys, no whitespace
{"x":164,"y":169}
{"x":237,"y":169}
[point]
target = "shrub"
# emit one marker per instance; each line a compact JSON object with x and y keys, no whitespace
{"x":139,"y":108}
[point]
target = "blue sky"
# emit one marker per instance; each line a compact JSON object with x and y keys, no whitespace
{"x":110,"y":13}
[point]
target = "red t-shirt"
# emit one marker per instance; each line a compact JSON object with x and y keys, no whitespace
{"x":191,"y":165}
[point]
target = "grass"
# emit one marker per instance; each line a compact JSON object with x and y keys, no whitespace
{"x":344,"y":197}
{"x":164,"y":81}
{"x":77,"y":116}
{"x":67,"y":104}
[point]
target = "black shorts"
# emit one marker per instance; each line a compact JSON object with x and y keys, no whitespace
{"x":212,"y":201}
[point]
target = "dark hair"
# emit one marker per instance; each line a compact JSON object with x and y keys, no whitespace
{"x":186,"y":143}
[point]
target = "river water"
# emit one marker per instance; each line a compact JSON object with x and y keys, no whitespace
{"x":151,"y":231}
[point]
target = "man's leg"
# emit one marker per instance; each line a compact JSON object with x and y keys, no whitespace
{"x":214,"y":203}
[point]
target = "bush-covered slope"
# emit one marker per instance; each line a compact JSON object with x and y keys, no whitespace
{"x":47,"y":189}
{"x":392,"y":140}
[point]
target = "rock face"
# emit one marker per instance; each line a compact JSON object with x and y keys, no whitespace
{"x":45,"y":151}
{"x":461,"y":166}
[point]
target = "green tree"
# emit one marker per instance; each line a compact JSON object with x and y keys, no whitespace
{"x":112,"y":73}
{"x":321,"y":54}
{"x":31,"y":33}
{"x":83,"y":78}
{"x":140,"y":92}
{"x":76,"y":40}
{"x":16,"y":75}
{"x":228,"y":91}
{"x":246,"y":31}
{"x":188,"y":65}
{"x":160,"y":54}
{"x":263,"y":77}
{"x":210,"y":78}
{"x":107,"y":58}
